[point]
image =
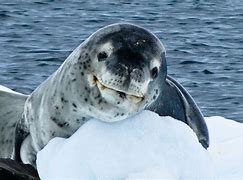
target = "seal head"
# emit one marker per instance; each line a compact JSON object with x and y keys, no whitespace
{"x":126,"y":63}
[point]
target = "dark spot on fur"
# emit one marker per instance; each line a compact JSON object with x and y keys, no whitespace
{"x":82,"y":73}
{"x":118,"y":102}
{"x":60,"y":125}
{"x":56,"y":107}
{"x":64,"y":100}
{"x":53,"y":134}
{"x":74,"y":110}
{"x":78,"y":121}
{"x":154,"y":97}
{"x":80,"y":56}
{"x":122,"y":114}
{"x":85,"y":99}
{"x":122,"y":95}
{"x":83,"y":118}
{"x":156,"y":91}
{"x":100,"y":101}
{"x":74,"y":105}
{"x":63,"y":124}
{"x":54,"y":119}
{"x":74,"y":79}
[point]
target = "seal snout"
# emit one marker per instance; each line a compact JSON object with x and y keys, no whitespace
{"x":128,"y":78}
{"x":127,"y":63}
{"x":106,"y":88}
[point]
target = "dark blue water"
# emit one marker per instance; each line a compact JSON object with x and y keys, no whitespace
{"x":204,"y":42}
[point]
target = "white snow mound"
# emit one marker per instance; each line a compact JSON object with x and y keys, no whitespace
{"x":145,"y":146}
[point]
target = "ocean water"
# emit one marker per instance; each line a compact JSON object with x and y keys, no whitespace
{"x":204,"y":42}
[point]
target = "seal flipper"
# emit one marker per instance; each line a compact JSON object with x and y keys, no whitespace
{"x":175,"y":101}
{"x":11,"y":110}
{"x":20,"y":135}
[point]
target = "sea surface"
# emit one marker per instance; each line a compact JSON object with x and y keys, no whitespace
{"x":204,"y":42}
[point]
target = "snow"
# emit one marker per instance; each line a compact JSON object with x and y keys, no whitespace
{"x":145,"y":146}
{"x":226,"y":147}
{"x":3,"y":88}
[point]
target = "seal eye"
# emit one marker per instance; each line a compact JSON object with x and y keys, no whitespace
{"x":102,"y":56}
{"x":154,"y":72}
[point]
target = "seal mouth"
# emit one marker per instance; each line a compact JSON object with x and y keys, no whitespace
{"x":94,"y":81}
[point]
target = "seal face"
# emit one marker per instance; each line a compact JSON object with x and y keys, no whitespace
{"x":125,"y":62}
{"x":118,"y":71}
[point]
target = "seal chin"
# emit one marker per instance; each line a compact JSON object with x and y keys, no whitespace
{"x":104,"y":89}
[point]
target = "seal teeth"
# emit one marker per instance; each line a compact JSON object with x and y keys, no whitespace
{"x":134,"y":99}
{"x":101,"y":86}
{"x":92,"y":80}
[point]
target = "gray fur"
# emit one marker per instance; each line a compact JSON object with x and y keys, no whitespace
{"x":11,"y":109}
{"x":117,"y":72}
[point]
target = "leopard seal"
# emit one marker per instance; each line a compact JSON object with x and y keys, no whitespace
{"x":115,"y":73}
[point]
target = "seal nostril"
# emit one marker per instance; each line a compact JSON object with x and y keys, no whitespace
{"x":102,"y":56}
{"x":154,"y":72}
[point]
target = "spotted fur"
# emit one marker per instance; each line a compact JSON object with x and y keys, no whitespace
{"x":117,"y":72}
{"x":11,"y":110}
